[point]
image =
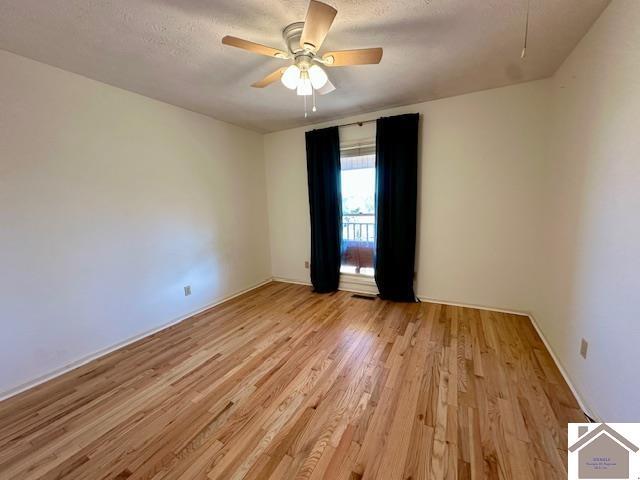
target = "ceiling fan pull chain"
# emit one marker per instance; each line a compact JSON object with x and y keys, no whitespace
{"x":526,"y":32}
{"x":305,"y":73}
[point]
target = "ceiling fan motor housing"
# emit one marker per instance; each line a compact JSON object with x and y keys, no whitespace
{"x":303,"y":40}
{"x":291,"y":35}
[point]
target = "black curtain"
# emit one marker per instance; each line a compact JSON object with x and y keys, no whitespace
{"x":396,"y":198}
{"x":325,"y":207}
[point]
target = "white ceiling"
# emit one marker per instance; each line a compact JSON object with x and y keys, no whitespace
{"x":170,"y":49}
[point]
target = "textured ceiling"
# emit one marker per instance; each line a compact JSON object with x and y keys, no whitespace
{"x":170,"y":49}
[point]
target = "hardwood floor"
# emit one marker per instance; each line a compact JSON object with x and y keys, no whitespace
{"x":281,"y":383}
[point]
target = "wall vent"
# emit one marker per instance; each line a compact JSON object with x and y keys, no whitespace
{"x":364,"y":296}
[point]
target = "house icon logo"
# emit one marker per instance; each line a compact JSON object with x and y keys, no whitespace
{"x":602,"y":451}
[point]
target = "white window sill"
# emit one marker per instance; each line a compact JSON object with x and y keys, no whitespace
{"x":353,"y":282}
{"x":358,"y":278}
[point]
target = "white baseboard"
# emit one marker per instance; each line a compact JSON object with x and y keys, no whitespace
{"x":533,"y":321}
{"x":350,"y":286}
{"x":589,"y":411}
{"x":563,"y":372}
{"x":289,"y":280}
{"x":347,"y":284}
{"x":471,"y":305}
{"x":100,"y":353}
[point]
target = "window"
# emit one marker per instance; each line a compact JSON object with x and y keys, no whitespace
{"x":358,"y":177}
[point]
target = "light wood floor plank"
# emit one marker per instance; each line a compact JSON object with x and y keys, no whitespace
{"x":282,"y":383}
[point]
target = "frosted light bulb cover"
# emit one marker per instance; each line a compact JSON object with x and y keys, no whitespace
{"x":291,"y":77}
{"x":304,"y":86}
{"x":318,"y":77}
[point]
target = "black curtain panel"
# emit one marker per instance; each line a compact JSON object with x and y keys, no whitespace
{"x":325,"y":207}
{"x":396,"y":198}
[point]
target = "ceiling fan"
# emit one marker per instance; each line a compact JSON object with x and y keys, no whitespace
{"x":303,"y":40}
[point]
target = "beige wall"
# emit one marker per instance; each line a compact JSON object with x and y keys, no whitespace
{"x":529,"y":200}
{"x":529,"y":197}
{"x":109,"y":204}
{"x":593,"y":277}
{"x":482,"y":164}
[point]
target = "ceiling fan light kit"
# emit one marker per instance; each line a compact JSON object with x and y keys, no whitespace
{"x":304,"y":39}
{"x":304,"y":84}
{"x":318,"y":77}
{"x":291,"y":77}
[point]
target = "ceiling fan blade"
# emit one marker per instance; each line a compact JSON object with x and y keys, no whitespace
{"x":254,"y":47}
{"x":342,"y":58}
{"x":327,"y":88}
{"x":269,"y":79}
{"x":317,"y":24}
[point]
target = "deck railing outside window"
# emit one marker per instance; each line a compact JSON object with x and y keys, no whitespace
{"x":358,"y":241}
{"x":358,"y":182}
{"x":359,"y":227}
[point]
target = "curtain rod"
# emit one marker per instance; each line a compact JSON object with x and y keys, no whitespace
{"x":357,"y":123}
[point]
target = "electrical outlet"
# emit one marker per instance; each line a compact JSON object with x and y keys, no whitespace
{"x":187,"y":290}
{"x":306,"y":264}
{"x":584,"y":346}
